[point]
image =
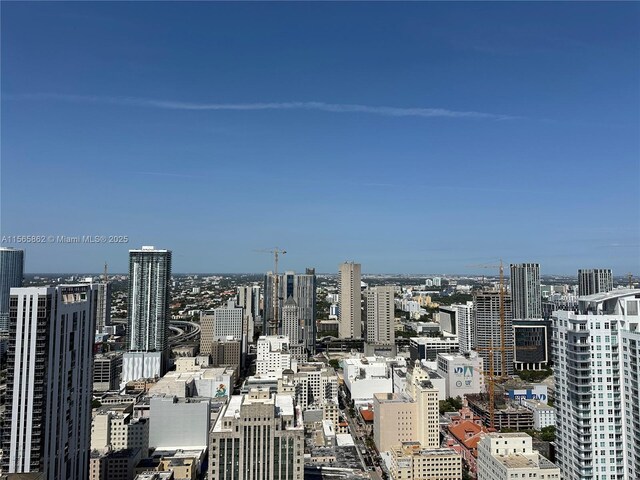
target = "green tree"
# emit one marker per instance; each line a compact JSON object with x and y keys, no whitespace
{"x":450,"y":405}
{"x":548,"y":434}
{"x":334,"y":363}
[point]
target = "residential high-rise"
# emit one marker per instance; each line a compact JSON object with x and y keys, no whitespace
{"x":486,"y":319}
{"x":11,"y":272}
{"x":380,"y":308}
{"x":148,"y":302}
{"x":103,"y":305}
{"x":248,"y":297}
{"x":457,"y":319}
{"x":594,"y":280}
{"x":350,"y":320}
{"x":596,"y":355}
{"x":505,"y":456}
{"x":103,"y":309}
{"x":526,"y":295}
{"x":258,"y":436}
{"x":49,"y":378}
{"x":302,"y":289}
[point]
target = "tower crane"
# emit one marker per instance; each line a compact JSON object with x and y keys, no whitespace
{"x":490,"y":375}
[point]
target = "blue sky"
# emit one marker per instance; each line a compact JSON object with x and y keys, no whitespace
{"x":413,"y":137}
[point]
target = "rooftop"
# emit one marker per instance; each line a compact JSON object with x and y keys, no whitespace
{"x":415,"y":448}
{"x":616,"y":293}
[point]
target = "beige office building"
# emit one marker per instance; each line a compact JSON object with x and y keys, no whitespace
{"x":258,"y":436}
{"x":115,"y":428}
{"x":407,"y":417}
{"x":380,"y":310}
{"x":411,"y":461}
{"x":350,"y":301}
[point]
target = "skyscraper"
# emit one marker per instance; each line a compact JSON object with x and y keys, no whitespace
{"x":248,"y":297}
{"x":486,"y":319}
{"x":258,"y":436}
{"x":596,"y":353}
{"x":302,"y":289}
{"x":466,"y":331}
{"x":149,"y":290}
{"x":457,"y":319}
{"x":103,"y":309}
{"x":49,"y":378}
{"x":526,"y":296}
{"x":291,"y":327}
{"x":594,"y":280}
{"x":350,"y":321}
{"x":380,"y":308}
{"x":11,"y":272}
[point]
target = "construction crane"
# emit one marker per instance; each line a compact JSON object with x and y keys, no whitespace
{"x":275,"y":321}
{"x":630,"y":278}
{"x":105,"y":277}
{"x":491,"y":376}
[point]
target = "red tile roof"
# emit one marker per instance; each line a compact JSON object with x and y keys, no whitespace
{"x":468,"y":434}
{"x":367,"y":415}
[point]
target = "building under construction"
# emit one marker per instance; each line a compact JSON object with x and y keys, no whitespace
{"x":507,"y":413}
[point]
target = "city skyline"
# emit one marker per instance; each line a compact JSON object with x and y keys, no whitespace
{"x":223,"y":128}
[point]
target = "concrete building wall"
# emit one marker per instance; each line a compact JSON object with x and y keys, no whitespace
{"x":350,"y":300}
{"x":463,"y":374}
{"x":178,"y":424}
{"x":379,"y":307}
{"x":139,"y":365}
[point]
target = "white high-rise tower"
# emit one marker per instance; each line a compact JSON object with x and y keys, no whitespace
{"x":49,"y":381}
{"x":596,"y":355}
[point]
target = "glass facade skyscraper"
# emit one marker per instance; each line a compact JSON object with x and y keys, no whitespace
{"x":149,"y":290}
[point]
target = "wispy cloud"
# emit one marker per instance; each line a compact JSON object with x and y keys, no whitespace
{"x":318,"y":106}
{"x":166,"y":174}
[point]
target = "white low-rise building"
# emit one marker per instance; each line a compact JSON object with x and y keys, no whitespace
{"x":313,"y":383}
{"x":274,"y":355}
{"x":365,"y":376}
{"x":213,"y":382}
{"x":543,"y":414}
{"x":463,"y":374}
{"x":506,"y":456}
